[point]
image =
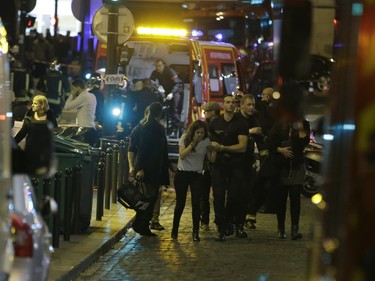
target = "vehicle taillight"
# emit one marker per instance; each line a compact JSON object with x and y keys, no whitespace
{"x":22,"y":238}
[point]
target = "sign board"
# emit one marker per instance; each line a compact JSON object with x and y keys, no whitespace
{"x":114,"y":79}
{"x":125,"y":24}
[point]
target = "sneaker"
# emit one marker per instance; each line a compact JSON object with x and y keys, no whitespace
{"x":205,"y":227}
{"x":156,"y":226}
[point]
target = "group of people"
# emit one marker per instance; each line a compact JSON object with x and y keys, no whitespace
{"x":220,"y":153}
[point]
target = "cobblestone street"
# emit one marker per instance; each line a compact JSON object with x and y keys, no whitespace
{"x":261,"y":257}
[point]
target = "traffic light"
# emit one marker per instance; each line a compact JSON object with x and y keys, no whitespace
{"x":29,"y":21}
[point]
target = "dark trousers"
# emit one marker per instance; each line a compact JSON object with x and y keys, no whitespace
{"x":294,"y":192}
{"x":229,"y":195}
{"x":174,"y":111}
{"x":205,"y":198}
{"x":182,"y":181}
{"x":143,"y":218}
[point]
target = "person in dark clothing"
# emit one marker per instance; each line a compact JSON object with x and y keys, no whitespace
{"x":286,"y":142}
{"x":143,"y":98}
{"x":21,"y":82}
{"x":211,"y":111}
{"x":56,"y":88}
{"x":151,"y":165}
{"x":229,"y":135}
{"x":264,"y":110}
{"x":38,"y":113}
{"x":173,"y":88}
{"x":95,"y":84}
{"x":248,"y":114}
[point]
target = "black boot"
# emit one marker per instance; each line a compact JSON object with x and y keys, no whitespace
{"x":196,"y":236}
{"x":295,"y":234}
{"x":240,"y":232}
{"x":174,"y":233}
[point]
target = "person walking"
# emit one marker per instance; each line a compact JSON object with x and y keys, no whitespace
{"x":248,"y":114}
{"x":211,"y":111}
{"x":85,"y":104}
{"x":229,"y":135}
{"x":151,"y":165}
{"x":287,"y":141}
{"x":134,"y":141}
{"x":193,"y":147}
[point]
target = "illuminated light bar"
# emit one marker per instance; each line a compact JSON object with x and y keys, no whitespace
{"x":158,"y":31}
{"x":3,"y":41}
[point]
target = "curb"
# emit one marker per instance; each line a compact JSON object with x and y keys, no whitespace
{"x":92,"y":257}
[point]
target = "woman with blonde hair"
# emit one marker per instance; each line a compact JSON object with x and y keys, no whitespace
{"x":38,"y":113}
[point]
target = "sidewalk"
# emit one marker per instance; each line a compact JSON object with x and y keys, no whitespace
{"x":75,"y":255}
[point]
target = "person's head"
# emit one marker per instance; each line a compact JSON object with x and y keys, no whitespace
{"x":78,"y":85}
{"x":40,"y":104}
{"x":229,"y":104}
{"x":156,"y":110}
{"x":197,"y":129}
{"x":146,"y":115}
{"x":147,"y":83}
{"x":247,"y":105}
{"x":211,"y":109}
{"x":267,"y":94}
{"x":159,"y":65}
{"x":95,"y":80}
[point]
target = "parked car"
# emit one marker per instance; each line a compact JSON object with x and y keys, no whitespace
{"x":6,"y":246}
{"x":32,"y":239}
{"x":318,"y":82}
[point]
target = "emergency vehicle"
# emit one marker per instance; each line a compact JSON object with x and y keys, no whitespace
{"x":208,"y":70}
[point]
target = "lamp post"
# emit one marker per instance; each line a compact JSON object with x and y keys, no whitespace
{"x":111,"y":66}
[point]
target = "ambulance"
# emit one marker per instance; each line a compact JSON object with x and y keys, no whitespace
{"x":208,"y":70}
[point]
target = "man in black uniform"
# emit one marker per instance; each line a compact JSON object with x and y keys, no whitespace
{"x":56,"y":88}
{"x":172,"y":85}
{"x":247,"y":112}
{"x":229,"y":134}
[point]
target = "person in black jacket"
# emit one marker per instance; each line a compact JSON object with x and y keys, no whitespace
{"x":173,"y":88}
{"x":286,"y":142}
{"x":38,"y":113}
{"x":151,"y":165}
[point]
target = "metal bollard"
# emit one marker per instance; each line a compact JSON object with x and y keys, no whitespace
{"x":35,"y":183}
{"x":100,"y":191}
{"x":56,"y":217}
{"x":108,"y":178}
{"x":68,"y":203}
{"x":77,"y":185}
{"x":47,"y":186}
{"x":121,"y":167}
{"x":115,"y":165}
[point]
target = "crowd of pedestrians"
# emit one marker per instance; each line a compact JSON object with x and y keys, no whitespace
{"x":237,"y":153}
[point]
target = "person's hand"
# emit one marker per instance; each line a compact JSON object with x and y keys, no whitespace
{"x":169,"y":96}
{"x":216,"y":146}
{"x":161,"y":89}
{"x":195,"y":141}
{"x":256,"y":131}
{"x":140,"y":174}
{"x":286,"y":151}
{"x":131,"y":172}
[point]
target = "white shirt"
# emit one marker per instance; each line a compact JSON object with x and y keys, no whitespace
{"x":85,"y":103}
